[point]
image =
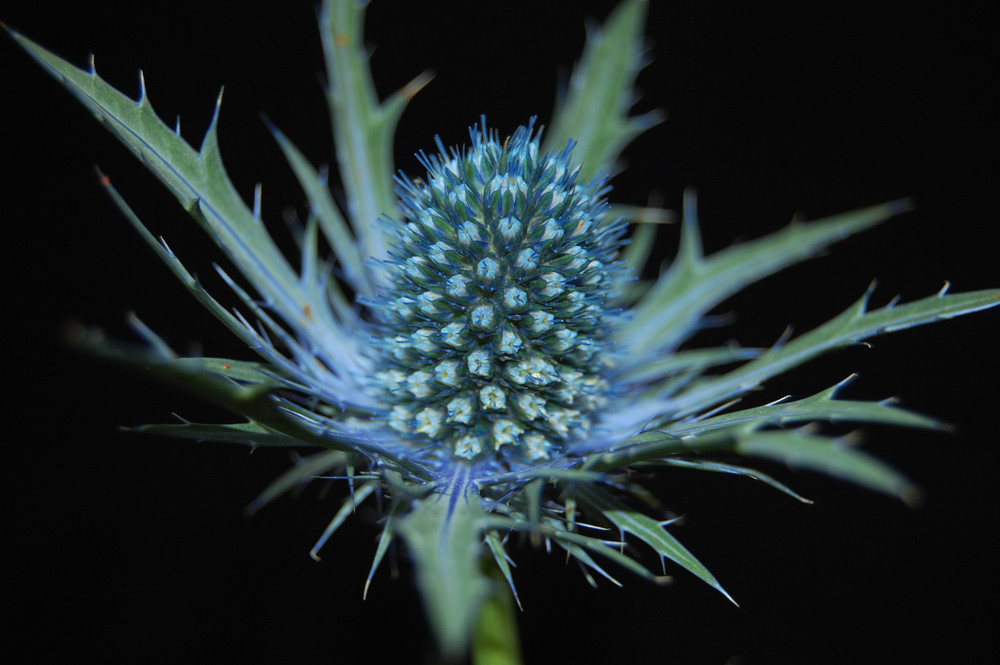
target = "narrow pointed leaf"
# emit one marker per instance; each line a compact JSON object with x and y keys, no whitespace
{"x":672,"y":309}
{"x":822,"y":407}
{"x":651,"y":532}
{"x":304,"y":471}
{"x":250,"y":434}
{"x":571,"y":540}
{"x":363,"y":128}
{"x":796,"y":448}
{"x":857,"y":323}
{"x":831,"y":456}
{"x":571,"y":545}
{"x":595,"y":112}
{"x":502,"y":561}
{"x":347,"y":508}
{"x":199,"y":181}
{"x":690,"y":362}
{"x":335,"y":228}
{"x":385,"y":538}
{"x":719,"y":467}
{"x":257,"y":402}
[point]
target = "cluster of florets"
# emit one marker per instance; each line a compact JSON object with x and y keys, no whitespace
{"x":496,"y":328}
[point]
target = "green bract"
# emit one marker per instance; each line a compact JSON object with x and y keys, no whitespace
{"x":476,"y":355}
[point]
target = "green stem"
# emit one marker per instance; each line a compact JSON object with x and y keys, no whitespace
{"x":496,"y":641}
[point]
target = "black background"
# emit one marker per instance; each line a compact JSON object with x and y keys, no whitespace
{"x":134,"y":549}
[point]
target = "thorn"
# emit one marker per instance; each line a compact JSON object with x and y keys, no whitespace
{"x":690,"y":206}
{"x":142,"y":86}
{"x":900,"y":206}
{"x":410,"y":90}
{"x":785,"y":336}
{"x":845,"y":382}
{"x":912,"y":496}
{"x":595,"y":527}
{"x":716,"y":410}
{"x":214,"y":123}
{"x":810,"y":428}
{"x":851,"y":439}
{"x":868,"y":294}
{"x":779,"y":401}
{"x":256,"y":200}
{"x":251,"y":509}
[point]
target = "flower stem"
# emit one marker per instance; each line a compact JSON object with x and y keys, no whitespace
{"x":495,"y":641}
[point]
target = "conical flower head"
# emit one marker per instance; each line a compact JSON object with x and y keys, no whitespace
{"x":496,"y":330}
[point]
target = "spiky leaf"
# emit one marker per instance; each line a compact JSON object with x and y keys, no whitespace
{"x":595,"y":112}
{"x":363,"y":128}
{"x":855,"y":324}
{"x":442,"y":533}
{"x":649,"y":531}
{"x":672,"y":309}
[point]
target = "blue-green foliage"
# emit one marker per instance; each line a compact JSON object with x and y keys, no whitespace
{"x":481,"y":362}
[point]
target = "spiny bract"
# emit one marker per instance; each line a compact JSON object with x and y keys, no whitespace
{"x":497,"y":372}
{"x":497,"y":325}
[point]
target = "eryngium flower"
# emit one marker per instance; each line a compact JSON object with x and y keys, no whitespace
{"x":497,"y":326}
{"x":474,"y":354}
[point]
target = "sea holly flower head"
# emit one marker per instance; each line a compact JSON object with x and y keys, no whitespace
{"x":497,"y":324}
{"x":470,"y":349}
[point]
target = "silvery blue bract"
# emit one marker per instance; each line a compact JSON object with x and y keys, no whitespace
{"x":470,"y":347}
